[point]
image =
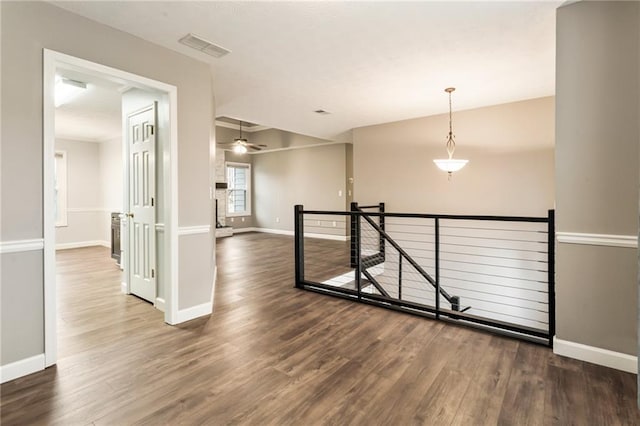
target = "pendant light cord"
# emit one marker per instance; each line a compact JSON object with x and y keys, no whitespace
{"x":451,"y":144}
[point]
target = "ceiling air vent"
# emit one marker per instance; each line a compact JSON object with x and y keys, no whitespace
{"x":204,"y":46}
{"x":322,"y":112}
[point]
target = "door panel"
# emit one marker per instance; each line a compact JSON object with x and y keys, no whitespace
{"x":142,"y":217}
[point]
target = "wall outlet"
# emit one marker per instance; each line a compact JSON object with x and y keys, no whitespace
{"x":319,"y":223}
{"x":335,"y":223}
{"x":349,"y":193}
{"x":231,"y":219}
{"x":277,"y":220}
{"x":243,"y":219}
{"x":340,"y":193}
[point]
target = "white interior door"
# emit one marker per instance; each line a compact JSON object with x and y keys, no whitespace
{"x":141,"y":136}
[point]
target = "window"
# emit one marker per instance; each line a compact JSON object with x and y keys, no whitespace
{"x":238,"y":189}
{"x":60,"y":188}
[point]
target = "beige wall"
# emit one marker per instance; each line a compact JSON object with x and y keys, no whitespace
{"x":308,"y":176}
{"x":94,"y":189}
{"x":27,"y":28}
{"x":597,"y":138}
{"x":225,"y":135}
{"x":85,"y":216}
{"x":510,"y":170}
{"x":111,"y":179}
{"x":275,"y":138}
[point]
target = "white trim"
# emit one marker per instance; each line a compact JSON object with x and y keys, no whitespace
{"x":21,"y":368}
{"x":62,"y":179}
{"x":213,"y":287}
{"x":18,"y":246}
{"x":171,"y":220}
{"x":242,"y":230}
{"x":51,"y":61}
{"x":159,"y":227}
{"x":193,"y":230}
{"x":289,"y":148}
{"x":194,"y":312}
{"x":237,"y":165}
{"x":594,"y":355}
{"x":306,"y":234}
{"x":80,"y":244}
{"x":629,"y":241}
{"x":160,"y":304}
{"x":124,"y":288}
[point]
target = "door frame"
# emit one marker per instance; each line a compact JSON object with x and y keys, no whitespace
{"x":53,"y":60}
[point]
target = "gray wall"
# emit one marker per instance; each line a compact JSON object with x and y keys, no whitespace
{"x":597,"y":140}
{"x":308,"y":176}
{"x":27,"y":28}
{"x":510,"y":169}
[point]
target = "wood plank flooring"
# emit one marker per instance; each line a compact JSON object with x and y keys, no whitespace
{"x":274,"y":355}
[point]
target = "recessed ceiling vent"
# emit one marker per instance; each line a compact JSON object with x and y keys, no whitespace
{"x":204,"y":46}
{"x":322,"y":112}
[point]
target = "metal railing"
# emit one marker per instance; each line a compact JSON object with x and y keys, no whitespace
{"x":495,"y":272}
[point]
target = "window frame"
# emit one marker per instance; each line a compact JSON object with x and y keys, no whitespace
{"x":61,"y":189}
{"x":247,"y":166}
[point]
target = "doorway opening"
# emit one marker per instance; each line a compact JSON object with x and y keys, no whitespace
{"x":90,"y":225}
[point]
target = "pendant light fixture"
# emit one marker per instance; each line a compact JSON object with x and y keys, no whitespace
{"x":450,"y":164}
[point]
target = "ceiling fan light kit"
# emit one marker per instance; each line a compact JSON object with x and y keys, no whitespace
{"x":450,"y":164}
{"x":241,"y":145}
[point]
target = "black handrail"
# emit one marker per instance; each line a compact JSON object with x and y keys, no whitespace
{"x":436,"y":216}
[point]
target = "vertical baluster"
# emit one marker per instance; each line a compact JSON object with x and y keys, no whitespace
{"x":299,"y":244}
{"x":437,"y":251}
{"x":399,"y":276}
{"x":551,"y":270}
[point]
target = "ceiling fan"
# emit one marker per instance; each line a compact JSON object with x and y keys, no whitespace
{"x":240,"y":145}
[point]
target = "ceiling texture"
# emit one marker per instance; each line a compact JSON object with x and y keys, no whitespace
{"x":363,"y":62}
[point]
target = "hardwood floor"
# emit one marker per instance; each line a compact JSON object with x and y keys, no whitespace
{"x":272,"y":354}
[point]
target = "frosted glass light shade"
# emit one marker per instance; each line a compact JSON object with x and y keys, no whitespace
{"x":240,"y":149}
{"x":450,"y":165}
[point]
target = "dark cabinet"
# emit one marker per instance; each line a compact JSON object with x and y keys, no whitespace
{"x":115,"y":237}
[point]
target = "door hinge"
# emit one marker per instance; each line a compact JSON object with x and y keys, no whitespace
{"x":151,"y":128}
{"x":153,"y":273}
{"x":152,"y":202}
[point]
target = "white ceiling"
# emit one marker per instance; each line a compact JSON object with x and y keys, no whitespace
{"x":94,"y":115}
{"x":364,"y":62}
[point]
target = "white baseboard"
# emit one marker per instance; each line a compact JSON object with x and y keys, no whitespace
{"x":594,"y":355}
{"x":80,"y":244}
{"x":160,"y":303}
{"x":306,"y":234}
{"x":241,"y":230}
{"x":21,"y":368}
{"x":194,"y":312}
{"x":326,"y":236}
{"x":291,"y":233}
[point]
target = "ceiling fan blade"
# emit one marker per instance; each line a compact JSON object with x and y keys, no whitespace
{"x":254,"y":147}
